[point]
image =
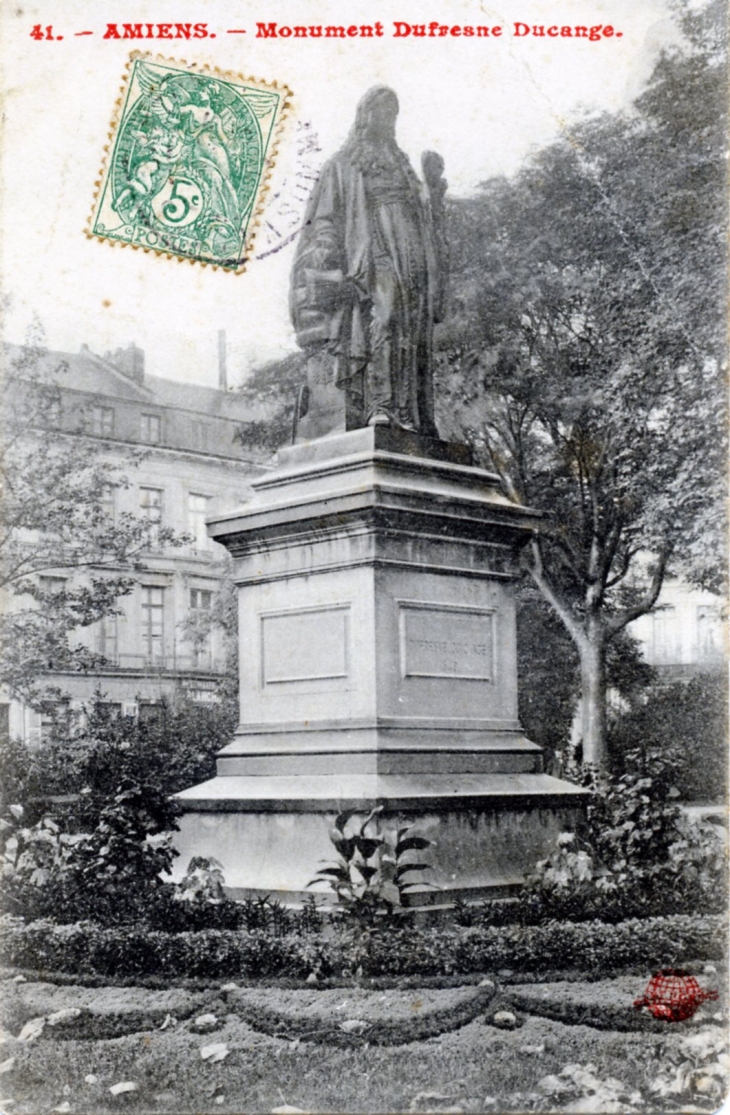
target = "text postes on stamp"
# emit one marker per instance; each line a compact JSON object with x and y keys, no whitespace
{"x":188,"y":160}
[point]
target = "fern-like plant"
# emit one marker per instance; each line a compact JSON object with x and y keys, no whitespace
{"x":374,"y":870}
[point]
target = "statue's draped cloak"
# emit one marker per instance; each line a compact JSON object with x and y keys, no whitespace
{"x":364,"y":286}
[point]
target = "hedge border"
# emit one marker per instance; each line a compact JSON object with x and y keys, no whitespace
{"x":86,"y":948}
{"x":91,"y":1025}
{"x":598,"y":1017}
{"x":384,"y":1031}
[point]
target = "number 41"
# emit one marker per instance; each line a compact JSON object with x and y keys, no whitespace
{"x":37,"y":32}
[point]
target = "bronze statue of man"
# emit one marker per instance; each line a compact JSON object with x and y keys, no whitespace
{"x":368,"y":277}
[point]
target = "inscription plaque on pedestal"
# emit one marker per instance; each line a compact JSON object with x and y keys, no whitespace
{"x":446,"y":641}
{"x":305,"y":644}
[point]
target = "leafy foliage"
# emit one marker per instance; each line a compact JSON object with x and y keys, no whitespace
{"x":637,"y":855}
{"x":369,"y":879}
{"x":202,"y":882}
{"x":274,"y":389}
{"x":108,"y":873}
{"x":97,"y":817}
{"x":686,"y":723}
{"x":584,"y":352}
{"x":86,"y":762}
{"x":129,"y":951}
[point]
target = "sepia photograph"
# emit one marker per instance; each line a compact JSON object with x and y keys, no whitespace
{"x":363,"y":557}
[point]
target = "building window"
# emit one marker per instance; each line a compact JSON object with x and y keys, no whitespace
{"x":102,"y":421}
{"x":201,"y":599}
{"x":200,"y":434}
{"x":107,"y":638}
{"x":151,"y":714}
{"x":108,"y":503}
{"x":150,"y":506}
{"x":197,"y":512}
{"x":48,"y":722}
{"x":51,"y":585}
{"x":664,"y":637}
{"x":50,"y":588}
{"x":55,"y":720}
{"x":108,"y":711}
{"x":709,"y":633}
{"x":153,"y":622}
{"x":201,"y":602}
{"x":54,"y":413}
{"x":151,"y":428}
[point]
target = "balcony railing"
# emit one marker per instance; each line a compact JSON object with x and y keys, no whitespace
{"x":165,"y":663}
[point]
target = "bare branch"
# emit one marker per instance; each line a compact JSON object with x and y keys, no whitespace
{"x":553,"y":597}
{"x":647,"y":602}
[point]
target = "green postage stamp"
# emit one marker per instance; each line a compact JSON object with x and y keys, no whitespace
{"x":188,"y":161}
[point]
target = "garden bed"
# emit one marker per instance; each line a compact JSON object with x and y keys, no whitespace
{"x":474,"y":1067}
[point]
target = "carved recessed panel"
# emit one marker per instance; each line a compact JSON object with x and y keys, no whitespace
{"x":305,"y":644}
{"x":446,"y":641}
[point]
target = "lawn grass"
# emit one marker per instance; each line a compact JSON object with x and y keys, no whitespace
{"x":475,"y":1068}
{"x":466,"y":1069}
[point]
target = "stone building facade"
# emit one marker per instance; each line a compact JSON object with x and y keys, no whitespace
{"x":686,"y":634}
{"x":192,"y":466}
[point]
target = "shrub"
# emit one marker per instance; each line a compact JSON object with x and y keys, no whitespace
{"x":598,"y":1015}
{"x":165,"y":911}
{"x":87,"y":761}
{"x":108,"y":873}
{"x":636,"y":855}
{"x":89,"y":834}
{"x":593,"y":947}
{"x":687,"y":723}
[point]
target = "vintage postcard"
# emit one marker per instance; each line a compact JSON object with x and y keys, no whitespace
{"x":363,"y":612}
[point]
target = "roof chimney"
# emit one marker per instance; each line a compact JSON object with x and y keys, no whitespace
{"x":129,"y":361}
{"x":222,"y":371}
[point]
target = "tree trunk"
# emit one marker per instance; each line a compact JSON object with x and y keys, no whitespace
{"x":593,"y":697}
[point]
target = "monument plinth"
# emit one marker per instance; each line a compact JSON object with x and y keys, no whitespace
{"x":378,"y":667}
{"x":378,"y":661}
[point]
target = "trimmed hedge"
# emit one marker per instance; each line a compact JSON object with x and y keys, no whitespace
{"x":87,"y":948}
{"x":383,"y":1031}
{"x":599,"y":1016}
{"x":95,"y":1026}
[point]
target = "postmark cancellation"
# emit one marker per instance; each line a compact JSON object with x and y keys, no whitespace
{"x":188,"y":160}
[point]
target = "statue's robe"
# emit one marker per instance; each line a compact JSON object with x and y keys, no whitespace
{"x":364,"y":286}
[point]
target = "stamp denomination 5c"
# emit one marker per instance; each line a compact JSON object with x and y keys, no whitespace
{"x":188,"y":161}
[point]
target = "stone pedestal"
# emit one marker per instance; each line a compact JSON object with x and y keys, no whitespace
{"x":378,"y":666}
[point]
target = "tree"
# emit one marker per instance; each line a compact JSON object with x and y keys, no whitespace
{"x":275,"y":389}
{"x":222,"y":616}
{"x":548,"y":676}
{"x":65,"y":559}
{"x":585,"y":346}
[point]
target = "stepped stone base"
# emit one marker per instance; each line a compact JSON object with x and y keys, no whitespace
{"x":272,"y":833}
{"x":378,"y":667}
